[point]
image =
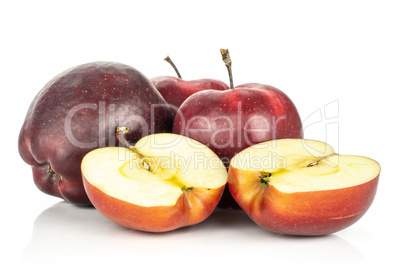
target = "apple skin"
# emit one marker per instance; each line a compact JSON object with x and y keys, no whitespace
{"x":87,"y":101}
{"x":256,"y":100}
{"x":238,"y":106}
{"x":191,"y":208}
{"x":312,"y":213}
{"x":176,"y":90}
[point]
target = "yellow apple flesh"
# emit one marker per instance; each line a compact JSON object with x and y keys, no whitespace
{"x":165,"y":182}
{"x":301,"y":187}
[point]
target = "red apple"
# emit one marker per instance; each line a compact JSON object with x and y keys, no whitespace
{"x":164,"y":182}
{"x":78,"y":111}
{"x":301,"y":187}
{"x":175,"y":90}
{"x":231,"y":120}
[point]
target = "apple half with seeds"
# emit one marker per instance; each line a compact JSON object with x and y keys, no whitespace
{"x":302,"y":187}
{"x":164,"y":182}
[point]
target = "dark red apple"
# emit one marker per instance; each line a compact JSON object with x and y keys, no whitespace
{"x":175,"y":90}
{"x":230,"y":121}
{"x":79,"y":111}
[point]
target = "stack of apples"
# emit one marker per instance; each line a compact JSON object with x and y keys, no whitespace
{"x":160,"y":154}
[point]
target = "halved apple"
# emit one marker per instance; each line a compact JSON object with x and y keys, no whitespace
{"x":164,"y":182}
{"x":301,"y":187}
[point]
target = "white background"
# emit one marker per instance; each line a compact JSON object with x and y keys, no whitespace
{"x":342,"y":55}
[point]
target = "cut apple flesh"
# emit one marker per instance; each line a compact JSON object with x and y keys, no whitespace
{"x":169,"y":165}
{"x":294,"y":165}
{"x":301,"y":187}
{"x":334,"y":172}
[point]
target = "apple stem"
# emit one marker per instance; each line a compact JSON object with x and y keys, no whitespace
{"x":228,"y":62}
{"x":319,"y":159}
{"x":120,"y":131}
{"x":173,"y":65}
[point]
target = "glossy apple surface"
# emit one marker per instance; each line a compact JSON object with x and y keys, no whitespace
{"x":167,"y":182}
{"x":176,"y":90}
{"x":301,"y":187}
{"x":78,"y":111}
{"x":232,"y":120}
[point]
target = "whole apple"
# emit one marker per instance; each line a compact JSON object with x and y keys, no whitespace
{"x":231,"y":120}
{"x":78,"y":111}
{"x":175,"y":90}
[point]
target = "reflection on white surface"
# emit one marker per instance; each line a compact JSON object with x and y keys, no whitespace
{"x":66,"y":234}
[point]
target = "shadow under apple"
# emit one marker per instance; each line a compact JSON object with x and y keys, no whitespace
{"x":68,"y":234}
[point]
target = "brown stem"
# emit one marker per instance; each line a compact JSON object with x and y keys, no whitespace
{"x":120,"y":131}
{"x":173,"y":65}
{"x":319,"y":159}
{"x":228,"y":62}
